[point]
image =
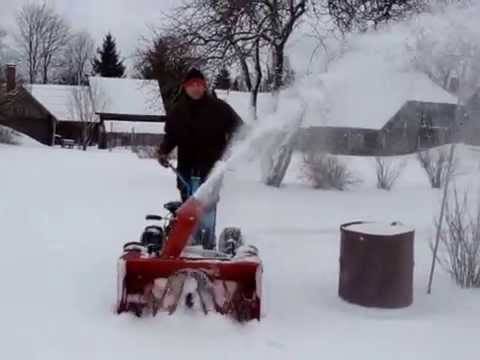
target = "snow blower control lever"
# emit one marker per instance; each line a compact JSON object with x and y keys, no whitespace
{"x":182,"y":179}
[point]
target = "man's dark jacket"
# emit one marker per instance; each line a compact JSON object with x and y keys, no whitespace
{"x":201,"y":130}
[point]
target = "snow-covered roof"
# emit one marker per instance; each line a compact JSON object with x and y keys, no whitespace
{"x":58,"y":100}
{"x":113,"y":96}
{"x":137,"y":127}
{"x":128,"y":96}
{"x":353,"y":100}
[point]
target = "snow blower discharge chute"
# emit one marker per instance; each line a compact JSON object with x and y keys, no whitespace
{"x":162,"y":271}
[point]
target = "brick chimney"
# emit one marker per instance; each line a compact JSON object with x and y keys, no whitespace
{"x":11,"y":75}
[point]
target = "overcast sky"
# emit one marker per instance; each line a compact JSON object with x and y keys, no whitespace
{"x":128,"y":20}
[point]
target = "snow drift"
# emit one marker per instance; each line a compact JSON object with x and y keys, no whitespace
{"x":13,"y":137}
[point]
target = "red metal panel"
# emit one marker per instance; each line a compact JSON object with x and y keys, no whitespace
{"x":187,"y":219}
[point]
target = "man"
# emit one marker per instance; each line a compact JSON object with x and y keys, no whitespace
{"x":200,"y":127}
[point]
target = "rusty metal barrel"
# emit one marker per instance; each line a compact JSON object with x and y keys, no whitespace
{"x":376,"y":264}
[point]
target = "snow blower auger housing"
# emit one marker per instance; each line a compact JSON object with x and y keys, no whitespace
{"x":161,"y":272}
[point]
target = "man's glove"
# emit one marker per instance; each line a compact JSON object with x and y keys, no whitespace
{"x":163,"y":159}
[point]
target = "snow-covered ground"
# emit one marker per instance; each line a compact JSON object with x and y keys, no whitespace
{"x":64,"y":215}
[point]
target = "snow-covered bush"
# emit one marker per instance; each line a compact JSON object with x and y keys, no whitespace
{"x":460,"y":241}
{"x":435,"y":164}
{"x":324,"y":171}
{"x":145,"y":152}
{"x":388,"y":171}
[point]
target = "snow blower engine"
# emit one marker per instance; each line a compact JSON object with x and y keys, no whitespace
{"x":163,"y":271}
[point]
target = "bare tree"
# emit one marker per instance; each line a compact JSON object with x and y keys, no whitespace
{"x":239,"y":31}
{"x":222,"y":34}
{"x":77,"y":59}
{"x":388,"y":172}
{"x":460,"y":255}
{"x":331,"y":43}
{"x":42,"y":35}
{"x":30,"y":24}
{"x":451,"y":61}
{"x":215,"y":28}
{"x":55,"y":39}
{"x":3,"y":34}
{"x":284,"y":16}
{"x":236,"y":31}
{"x":442,"y":4}
{"x":352,"y":15}
{"x":5,"y":100}
{"x":280,"y":19}
{"x":3,"y":95}
{"x":85,"y":102}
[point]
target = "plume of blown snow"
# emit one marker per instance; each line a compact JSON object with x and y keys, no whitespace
{"x":285,"y":119}
{"x":418,"y":47}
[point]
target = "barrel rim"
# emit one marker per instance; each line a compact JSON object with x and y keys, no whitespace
{"x":344,"y":228}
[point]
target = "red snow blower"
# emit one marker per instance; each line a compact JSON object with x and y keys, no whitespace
{"x":162,"y":271}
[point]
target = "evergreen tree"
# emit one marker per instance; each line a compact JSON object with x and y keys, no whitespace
{"x":223,"y":80}
{"x":167,"y":59}
{"x":108,"y":64}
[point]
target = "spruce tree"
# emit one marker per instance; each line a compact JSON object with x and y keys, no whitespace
{"x":108,"y":63}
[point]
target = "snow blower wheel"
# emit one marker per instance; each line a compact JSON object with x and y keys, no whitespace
{"x":153,"y":238}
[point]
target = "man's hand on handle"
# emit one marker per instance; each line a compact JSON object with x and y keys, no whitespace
{"x":163,"y":158}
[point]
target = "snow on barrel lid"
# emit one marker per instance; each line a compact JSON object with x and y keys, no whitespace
{"x":380,"y":228}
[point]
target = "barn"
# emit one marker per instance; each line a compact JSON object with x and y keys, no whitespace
{"x":120,"y":133}
{"x":24,"y":114}
{"x":131,"y":111}
{"x":49,"y":112}
{"x":70,"y":109}
{"x":397,"y":113}
{"x":391,"y":113}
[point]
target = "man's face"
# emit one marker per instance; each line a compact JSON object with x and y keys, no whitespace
{"x":195,"y":88}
